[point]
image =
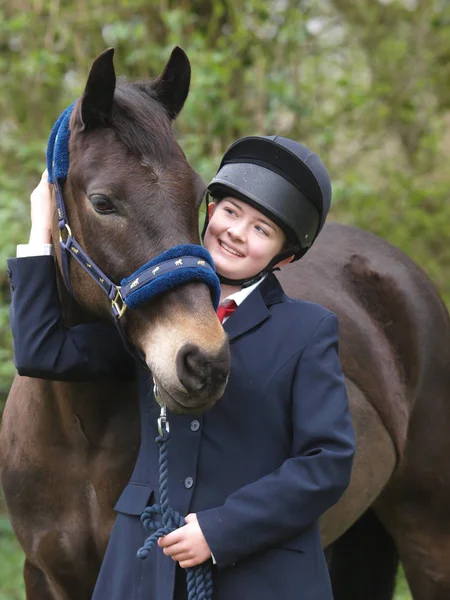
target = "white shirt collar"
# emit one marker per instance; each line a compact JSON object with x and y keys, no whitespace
{"x":241,"y":295}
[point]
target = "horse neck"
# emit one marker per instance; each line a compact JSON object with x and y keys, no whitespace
{"x":85,"y":412}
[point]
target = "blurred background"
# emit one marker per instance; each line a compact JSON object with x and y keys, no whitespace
{"x":364,"y":83}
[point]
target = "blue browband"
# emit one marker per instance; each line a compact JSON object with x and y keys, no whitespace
{"x":174,"y":267}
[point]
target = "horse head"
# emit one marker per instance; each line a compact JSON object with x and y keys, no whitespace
{"x":129,"y":196}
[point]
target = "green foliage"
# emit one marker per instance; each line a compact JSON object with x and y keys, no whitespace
{"x":11,"y":564}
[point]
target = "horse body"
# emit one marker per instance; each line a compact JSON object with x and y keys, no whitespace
{"x":67,"y":449}
{"x":395,"y":352}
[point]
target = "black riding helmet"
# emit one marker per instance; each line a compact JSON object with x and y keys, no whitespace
{"x":285,"y":181}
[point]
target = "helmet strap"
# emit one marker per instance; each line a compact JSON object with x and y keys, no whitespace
{"x":206,"y":222}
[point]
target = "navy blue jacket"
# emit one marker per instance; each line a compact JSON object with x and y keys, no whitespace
{"x":259,"y":468}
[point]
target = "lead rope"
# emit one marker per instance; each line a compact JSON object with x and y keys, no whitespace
{"x":199,"y":578}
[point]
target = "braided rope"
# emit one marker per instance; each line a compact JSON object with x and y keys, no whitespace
{"x":199,"y":578}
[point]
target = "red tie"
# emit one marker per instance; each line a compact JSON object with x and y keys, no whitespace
{"x":226,"y":311}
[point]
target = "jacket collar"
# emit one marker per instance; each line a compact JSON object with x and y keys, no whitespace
{"x":254,"y":310}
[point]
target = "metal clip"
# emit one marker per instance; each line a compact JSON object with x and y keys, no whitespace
{"x":69,"y":234}
{"x":163,"y":421}
{"x":118,"y":303}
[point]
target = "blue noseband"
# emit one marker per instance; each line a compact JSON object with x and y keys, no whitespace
{"x":178,"y":265}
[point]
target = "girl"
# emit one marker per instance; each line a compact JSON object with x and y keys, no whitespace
{"x":255,"y":473}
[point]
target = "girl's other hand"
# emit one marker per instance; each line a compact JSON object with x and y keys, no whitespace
{"x":41,"y":212}
{"x":186,"y":545}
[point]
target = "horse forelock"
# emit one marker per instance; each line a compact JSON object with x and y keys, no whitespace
{"x":142,"y":124}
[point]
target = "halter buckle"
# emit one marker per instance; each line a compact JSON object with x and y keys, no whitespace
{"x":118,"y":304}
{"x":69,"y":234}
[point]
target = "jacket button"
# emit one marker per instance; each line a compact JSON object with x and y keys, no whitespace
{"x":195,"y":425}
{"x":188,"y":482}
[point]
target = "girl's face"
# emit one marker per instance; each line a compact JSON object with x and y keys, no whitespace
{"x":241,"y":240}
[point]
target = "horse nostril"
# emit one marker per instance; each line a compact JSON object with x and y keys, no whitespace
{"x":196,"y":368}
{"x":200,"y":372}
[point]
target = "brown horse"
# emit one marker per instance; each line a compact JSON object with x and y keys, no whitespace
{"x":67,"y":450}
{"x":395,"y":353}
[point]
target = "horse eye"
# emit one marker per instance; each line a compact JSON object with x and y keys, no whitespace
{"x":101,"y":204}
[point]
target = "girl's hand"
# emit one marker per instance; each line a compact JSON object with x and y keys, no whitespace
{"x":186,"y":545}
{"x":41,"y":212}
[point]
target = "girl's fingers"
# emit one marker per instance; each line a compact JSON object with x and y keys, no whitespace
{"x":187,"y":564}
{"x":174,"y":550}
{"x":181,"y":557}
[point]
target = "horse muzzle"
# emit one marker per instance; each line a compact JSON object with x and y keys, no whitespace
{"x":201,"y":380}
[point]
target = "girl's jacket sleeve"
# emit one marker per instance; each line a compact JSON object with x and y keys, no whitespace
{"x":284,"y":503}
{"x":43,"y":346}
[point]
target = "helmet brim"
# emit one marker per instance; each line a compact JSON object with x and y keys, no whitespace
{"x":273,"y":195}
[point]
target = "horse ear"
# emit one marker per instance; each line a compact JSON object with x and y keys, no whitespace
{"x":97,"y":101}
{"x":171,"y":88}
{"x":199,"y":187}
